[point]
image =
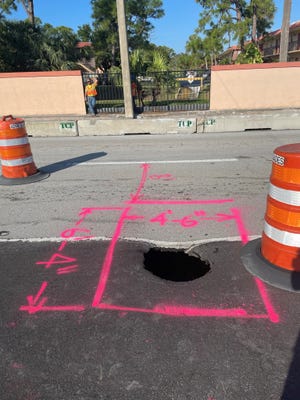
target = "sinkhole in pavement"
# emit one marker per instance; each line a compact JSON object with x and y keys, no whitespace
{"x":175,"y":265}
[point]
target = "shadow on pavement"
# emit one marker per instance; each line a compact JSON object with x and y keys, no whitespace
{"x":296,"y":281}
{"x":291,"y":389}
{"x":71,"y":162}
{"x":296,"y":274}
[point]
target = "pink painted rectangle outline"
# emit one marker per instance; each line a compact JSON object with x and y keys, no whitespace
{"x":178,"y":311}
{"x":37,"y":303}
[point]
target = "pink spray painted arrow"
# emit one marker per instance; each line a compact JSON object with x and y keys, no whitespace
{"x":36,"y":303}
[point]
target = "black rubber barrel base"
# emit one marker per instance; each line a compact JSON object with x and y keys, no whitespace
{"x":257,"y":265}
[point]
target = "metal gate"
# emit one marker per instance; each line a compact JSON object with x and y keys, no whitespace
{"x":155,"y":92}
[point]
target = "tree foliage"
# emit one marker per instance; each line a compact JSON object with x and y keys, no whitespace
{"x":44,"y":47}
{"x":58,"y":47}
{"x":19,"y":46}
{"x":50,"y":48}
{"x":153,"y":58}
{"x":250,"y":55}
{"x":203,"y":51}
{"x":139,"y":14}
{"x":223,"y":22}
{"x":261,"y":13}
{"x":85,"y":33}
{"x":32,"y":46}
{"x":6,"y":6}
{"x":25,"y":47}
{"x":105,"y":27}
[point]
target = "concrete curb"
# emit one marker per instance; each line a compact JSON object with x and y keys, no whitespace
{"x":158,"y":124}
{"x":98,"y":126}
{"x":252,"y":120}
{"x":51,"y":127}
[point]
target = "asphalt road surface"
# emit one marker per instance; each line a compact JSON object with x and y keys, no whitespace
{"x":121,"y":273}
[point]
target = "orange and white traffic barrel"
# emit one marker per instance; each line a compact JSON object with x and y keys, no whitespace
{"x":17,"y":163}
{"x":275,"y":258}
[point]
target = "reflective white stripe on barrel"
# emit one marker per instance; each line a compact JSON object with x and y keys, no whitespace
{"x":283,"y":237}
{"x":16,"y":162}
{"x":13,"y":142}
{"x":291,"y":197}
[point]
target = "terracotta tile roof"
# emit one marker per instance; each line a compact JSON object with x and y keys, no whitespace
{"x":80,"y":45}
{"x":294,"y":25}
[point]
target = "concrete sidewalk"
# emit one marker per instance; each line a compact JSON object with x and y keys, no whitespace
{"x":163,"y":123}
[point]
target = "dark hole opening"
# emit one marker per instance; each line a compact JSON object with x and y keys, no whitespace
{"x":175,"y":265}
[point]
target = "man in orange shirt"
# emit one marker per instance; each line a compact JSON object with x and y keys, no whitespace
{"x":90,"y":95}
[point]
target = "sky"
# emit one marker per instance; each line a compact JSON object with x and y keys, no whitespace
{"x":173,"y":30}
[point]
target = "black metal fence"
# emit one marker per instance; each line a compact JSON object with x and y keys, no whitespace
{"x":155,"y":91}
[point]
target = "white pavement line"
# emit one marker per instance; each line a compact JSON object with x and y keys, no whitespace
{"x":157,"y":243}
{"x":213,"y":160}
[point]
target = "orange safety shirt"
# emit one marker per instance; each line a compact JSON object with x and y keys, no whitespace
{"x":90,"y":90}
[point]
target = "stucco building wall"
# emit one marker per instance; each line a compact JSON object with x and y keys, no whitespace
{"x":42,"y":93}
{"x":255,"y":86}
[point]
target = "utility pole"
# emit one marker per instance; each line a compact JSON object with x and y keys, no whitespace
{"x":285,"y":30}
{"x":125,"y":59}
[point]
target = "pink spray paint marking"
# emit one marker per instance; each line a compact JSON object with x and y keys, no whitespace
{"x":63,"y":245}
{"x":34,"y":303}
{"x":137,"y":194}
{"x":273,"y":316}
{"x":162,"y":219}
{"x":70,"y":233}
{"x":34,"y":310}
{"x":37,"y":303}
{"x":180,"y":311}
{"x":56,"y":259}
{"x":165,"y":177}
{"x":191,"y":220}
{"x":108,"y":260}
{"x":67,"y":270}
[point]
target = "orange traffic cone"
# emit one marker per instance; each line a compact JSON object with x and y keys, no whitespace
{"x":275,"y":258}
{"x":16,"y":158}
